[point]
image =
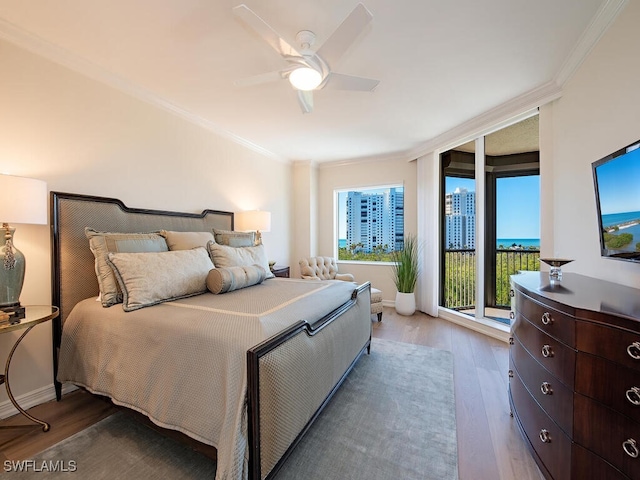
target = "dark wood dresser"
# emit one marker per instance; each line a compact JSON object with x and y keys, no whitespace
{"x":574,"y":369}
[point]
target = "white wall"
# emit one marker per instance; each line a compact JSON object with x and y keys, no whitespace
{"x":597,"y":114}
{"x":81,"y":136}
{"x":356,"y":175}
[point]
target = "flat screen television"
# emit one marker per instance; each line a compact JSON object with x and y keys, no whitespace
{"x":617,"y":186}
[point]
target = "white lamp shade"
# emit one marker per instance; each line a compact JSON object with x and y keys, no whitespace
{"x":22,"y":200}
{"x":253,"y":220}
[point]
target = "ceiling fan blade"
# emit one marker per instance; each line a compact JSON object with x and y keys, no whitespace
{"x":340,"y":81}
{"x":259,"y":79}
{"x":340,"y":40}
{"x":305,"y":99}
{"x":263,"y":29}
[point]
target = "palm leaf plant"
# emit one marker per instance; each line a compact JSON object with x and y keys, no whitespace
{"x":405,"y":265}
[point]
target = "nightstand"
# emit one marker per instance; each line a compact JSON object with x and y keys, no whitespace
{"x":34,"y":314}
{"x":282,"y":272}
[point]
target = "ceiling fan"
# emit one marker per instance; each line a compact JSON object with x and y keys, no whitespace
{"x":309,"y":70}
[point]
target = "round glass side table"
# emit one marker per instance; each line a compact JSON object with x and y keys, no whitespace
{"x":34,"y":315}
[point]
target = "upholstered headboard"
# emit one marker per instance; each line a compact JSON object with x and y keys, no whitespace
{"x":73,"y":270}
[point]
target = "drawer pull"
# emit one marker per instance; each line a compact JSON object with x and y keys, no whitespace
{"x":633,"y":395}
{"x":512,"y":315}
{"x":547,"y":352}
{"x":545,"y":436}
{"x":630,"y":448}
{"x":512,"y":293}
{"x":510,"y":340}
{"x":547,"y":318}
{"x":510,"y":373}
{"x":546,"y":389}
{"x":634,"y":350}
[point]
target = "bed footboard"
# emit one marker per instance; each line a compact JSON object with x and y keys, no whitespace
{"x":293,"y":375}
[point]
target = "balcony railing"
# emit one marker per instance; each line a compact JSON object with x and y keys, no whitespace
{"x":460,"y":276}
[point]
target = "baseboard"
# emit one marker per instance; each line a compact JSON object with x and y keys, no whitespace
{"x":33,"y":398}
{"x":485,"y":326}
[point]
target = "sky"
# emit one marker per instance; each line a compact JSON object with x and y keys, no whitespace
{"x":517,"y":201}
{"x":619,"y":184}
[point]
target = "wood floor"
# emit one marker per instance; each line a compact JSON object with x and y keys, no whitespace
{"x":490,"y":446}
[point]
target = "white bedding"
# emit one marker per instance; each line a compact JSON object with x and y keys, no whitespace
{"x":183,"y":363}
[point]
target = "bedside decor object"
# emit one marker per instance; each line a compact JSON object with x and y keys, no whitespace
{"x":254,"y":220}
{"x":22,"y":200}
{"x":555,"y":272}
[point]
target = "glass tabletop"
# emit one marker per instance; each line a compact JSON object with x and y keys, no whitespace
{"x":34,"y":314}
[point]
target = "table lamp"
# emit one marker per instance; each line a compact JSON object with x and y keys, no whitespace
{"x":22,"y":200}
{"x":251,"y":220}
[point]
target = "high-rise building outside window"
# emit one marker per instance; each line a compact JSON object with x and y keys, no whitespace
{"x":370,"y":223}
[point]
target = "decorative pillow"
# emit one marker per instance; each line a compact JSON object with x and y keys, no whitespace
{"x":186,"y":240}
{"x":150,"y":278}
{"x":101,"y":243}
{"x":225,"y":256}
{"x":234,"y":239}
{"x":227,"y":279}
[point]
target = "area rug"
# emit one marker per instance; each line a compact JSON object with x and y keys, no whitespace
{"x":394,"y":417}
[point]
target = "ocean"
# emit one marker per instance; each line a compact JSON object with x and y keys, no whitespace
{"x":525,"y":242}
{"x":618,"y":218}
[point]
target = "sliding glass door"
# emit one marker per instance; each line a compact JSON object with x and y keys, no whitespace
{"x":490,"y":220}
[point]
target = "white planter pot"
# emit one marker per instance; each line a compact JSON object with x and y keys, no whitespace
{"x":405,"y":303}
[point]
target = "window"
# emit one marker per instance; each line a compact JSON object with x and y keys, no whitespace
{"x":370,"y":223}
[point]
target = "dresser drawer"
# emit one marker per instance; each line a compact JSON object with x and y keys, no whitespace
{"x":555,"y":451}
{"x":555,"y":399}
{"x":610,"y":383}
{"x":556,"y":357}
{"x":555,"y":323}
{"x":589,"y":466}
{"x":605,"y":432}
{"x":613,"y":343}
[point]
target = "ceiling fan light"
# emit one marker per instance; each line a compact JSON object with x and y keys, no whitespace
{"x":305,"y":78}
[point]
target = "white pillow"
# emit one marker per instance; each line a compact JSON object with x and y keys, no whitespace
{"x":225,"y":256}
{"x":150,"y":278}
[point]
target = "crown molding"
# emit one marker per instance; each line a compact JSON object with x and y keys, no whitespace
{"x":41,"y":47}
{"x":600,"y":23}
{"x":391,"y":157}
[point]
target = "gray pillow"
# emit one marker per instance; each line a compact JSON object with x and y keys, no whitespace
{"x":150,"y":278}
{"x":101,"y":243}
{"x":186,"y":240}
{"x":227,"y":279}
{"x":225,"y":256}
{"x":234,"y":239}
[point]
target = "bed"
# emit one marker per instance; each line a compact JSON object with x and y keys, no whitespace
{"x":247,"y":371}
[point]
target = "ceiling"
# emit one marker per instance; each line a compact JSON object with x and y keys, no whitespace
{"x":440,"y":63}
